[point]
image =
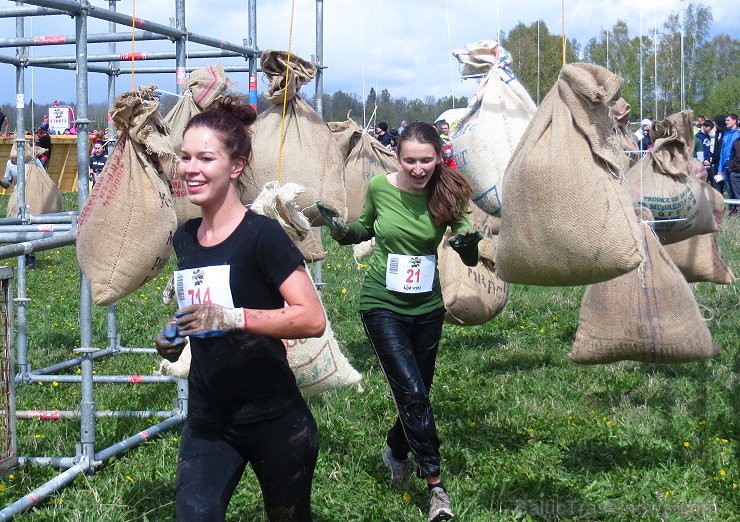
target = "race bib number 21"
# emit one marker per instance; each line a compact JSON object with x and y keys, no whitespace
{"x":410,"y":274}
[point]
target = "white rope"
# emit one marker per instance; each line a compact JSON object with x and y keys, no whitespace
{"x":655,"y":65}
{"x":362,"y":63}
{"x":449,"y":54}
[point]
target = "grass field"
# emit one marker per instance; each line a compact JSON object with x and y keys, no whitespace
{"x":526,"y":434}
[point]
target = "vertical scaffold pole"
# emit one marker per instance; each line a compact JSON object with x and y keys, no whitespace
{"x":319,"y":106}
{"x":20,"y":132}
{"x":180,"y":59}
{"x":86,"y":450}
{"x":252,"y":60}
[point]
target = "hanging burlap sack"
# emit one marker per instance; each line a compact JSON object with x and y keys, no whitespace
{"x":479,"y":57}
{"x":568,"y":220}
{"x":486,"y":223}
{"x":488,"y":134}
{"x":626,"y":139}
{"x":472,"y":294}
{"x":42,"y":194}
{"x":365,"y":158}
{"x":346,"y":133}
{"x":647,"y":315}
{"x":30,"y":152}
{"x":308,"y":155}
{"x":202,"y":87}
{"x":700,"y":258}
{"x":125,"y":231}
{"x":319,"y":364}
{"x":662,"y":181}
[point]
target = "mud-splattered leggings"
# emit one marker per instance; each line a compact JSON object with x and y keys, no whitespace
{"x":281,"y":451}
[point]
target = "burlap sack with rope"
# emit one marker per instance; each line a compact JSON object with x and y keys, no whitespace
{"x":488,"y":134}
{"x":479,"y":57}
{"x":662,"y":181}
{"x":568,"y":220}
{"x":30,"y":152}
{"x":308,"y":155}
{"x":317,"y":363}
{"x":700,"y":258}
{"x":472,"y":294}
{"x":42,"y":194}
{"x":125,"y":230}
{"x":202,"y":87}
{"x":365,"y":158}
{"x":626,"y":139}
{"x":647,"y":315}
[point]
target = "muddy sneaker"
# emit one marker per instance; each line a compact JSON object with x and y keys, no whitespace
{"x":401,"y":470}
{"x":439,"y":505}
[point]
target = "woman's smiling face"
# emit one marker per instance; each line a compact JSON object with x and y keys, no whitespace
{"x":418,"y":161}
{"x":206,"y":167}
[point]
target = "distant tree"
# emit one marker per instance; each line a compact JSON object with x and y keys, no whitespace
{"x":538,"y":56}
{"x":723,"y":98}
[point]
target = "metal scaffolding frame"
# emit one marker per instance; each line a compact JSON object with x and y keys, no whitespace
{"x":28,"y":233}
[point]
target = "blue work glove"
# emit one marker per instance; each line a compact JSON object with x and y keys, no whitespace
{"x":170,"y":342}
{"x":209,"y":320}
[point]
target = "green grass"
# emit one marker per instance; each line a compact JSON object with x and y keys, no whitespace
{"x":526,"y":434}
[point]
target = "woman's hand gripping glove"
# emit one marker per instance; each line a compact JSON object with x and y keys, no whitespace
{"x":337,"y":226}
{"x":209,"y":320}
{"x":466,"y":245}
{"x":170,"y":342}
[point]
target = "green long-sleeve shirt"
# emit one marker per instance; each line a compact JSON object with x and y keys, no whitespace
{"x":401,"y":224}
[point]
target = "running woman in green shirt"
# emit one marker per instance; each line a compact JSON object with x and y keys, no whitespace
{"x":407,"y":212}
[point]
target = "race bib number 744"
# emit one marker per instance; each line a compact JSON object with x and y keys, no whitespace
{"x":204,"y":285}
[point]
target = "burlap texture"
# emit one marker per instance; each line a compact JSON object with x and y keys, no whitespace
{"x":647,"y":315}
{"x":202,"y":88}
{"x":700,"y":258}
{"x":29,"y":152}
{"x":663,"y":182}
{"x":365,"y":158}
{"x":488,"y":134}
{"x":472,"y":294}
{"x":568,"y":219}
{"x":309,"y":155}
{"x":478,"y":57}
{"x":319,"y":364}
{"x":42,"y":194}
{"x":126,"y":226}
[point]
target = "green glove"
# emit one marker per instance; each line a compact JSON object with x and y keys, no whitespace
{"x":466,"y":245}
{"x":337,"y":226}
{"x":465,"y":239}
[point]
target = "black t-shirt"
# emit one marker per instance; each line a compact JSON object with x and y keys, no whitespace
{"x":241,"y":377}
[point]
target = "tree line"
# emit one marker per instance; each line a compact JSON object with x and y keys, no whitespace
{"x":650,"y":65}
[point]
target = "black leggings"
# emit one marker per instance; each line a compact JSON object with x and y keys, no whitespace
{"x":281,"y":451}
{"x":406,"y":347}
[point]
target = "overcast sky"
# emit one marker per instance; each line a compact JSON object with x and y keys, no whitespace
{"x":400,"y":45}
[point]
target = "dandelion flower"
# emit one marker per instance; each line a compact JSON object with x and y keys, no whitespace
{"x":722,"y":473}
{"x":406,"y":496}
{"x":55,"y":384}
{"x":344,"y":290}
{"x":686,"y":444}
